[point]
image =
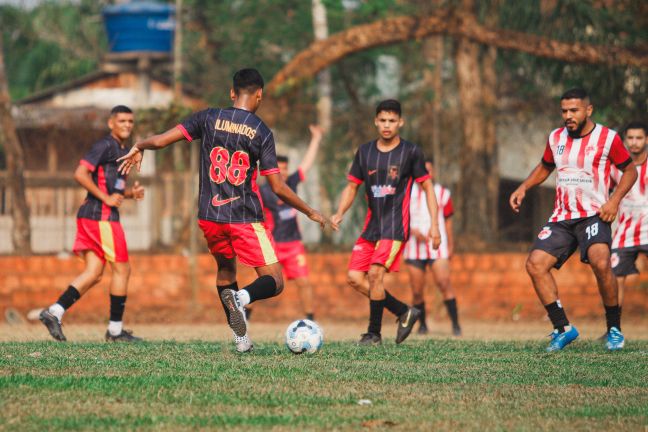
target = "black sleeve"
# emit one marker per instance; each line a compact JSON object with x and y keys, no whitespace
{"x":356,"y":173}
{"x":419,"y":173}
{"x":192,"y":126}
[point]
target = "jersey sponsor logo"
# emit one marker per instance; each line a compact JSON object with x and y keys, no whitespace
{"x":120,"y":184}
{"x":569,"y":176}
{"x":287,"y":214}
{"x":236,"y":128}
{"x":614,"y":259}
{"x":218,"y":202}
{"x":381,"y":191}
{"x":372,"y":172}
{"x":545,"y":233}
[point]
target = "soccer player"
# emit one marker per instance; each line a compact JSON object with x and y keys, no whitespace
{"x":233,"y":141}
{"x":282,"y":221}
{"x":631,"y":236}
{"x":100,"y":236}
{"x":387,"y":166}
{"x":419,"y":253}
{"x":583,"y":152}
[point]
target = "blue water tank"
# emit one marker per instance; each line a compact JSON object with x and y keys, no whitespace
{"x":140,"y":26}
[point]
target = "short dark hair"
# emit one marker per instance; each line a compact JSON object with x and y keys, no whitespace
{"x":120,"y":109}
{"x":636,"y":124}
{"x":282,"y":158}
{"x":575,"y":93}
{"x":248,"y":80}
{"x":389,"y":105}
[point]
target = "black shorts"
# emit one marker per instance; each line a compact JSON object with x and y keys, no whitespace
{"x":624,"y":260}
{"x":561,"y":239}
{"x":420,"y":263}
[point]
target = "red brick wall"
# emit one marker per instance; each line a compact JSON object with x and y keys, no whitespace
{"x":488,"y":286}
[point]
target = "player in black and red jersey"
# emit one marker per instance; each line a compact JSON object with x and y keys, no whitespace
{"x":100,"y":236}
{"x":387,"y":166}
{"x":233,"y":141}
{"x":282,"y":221}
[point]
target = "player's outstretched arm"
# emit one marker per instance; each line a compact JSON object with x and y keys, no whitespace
{"x":155,"y":142}
{"x":610,"y":209}
{"x":348,"y":195}
{"x":537,"y":176}
{"x":316,"y":138}
{"x":434,"y":234}
{"x":286,"y":194}
{"x":83,"y":175}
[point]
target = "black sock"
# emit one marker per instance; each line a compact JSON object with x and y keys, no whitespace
{"x":451,"y":306}
{"x":69,"y":297}
{"x":248,"y":313}
{"x":421,"y":307}
{"x":221,"y":288}
{"x":310,"y":316}
{"x":117,"y":306}
{"x":375,"y":316}
{"x":557,"y":316}
{"x":262,"y":288}
{"x":394,"y":305}
{"x":613,"y":317}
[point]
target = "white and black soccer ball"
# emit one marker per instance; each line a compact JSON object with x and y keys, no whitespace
{"x":304,"y":336}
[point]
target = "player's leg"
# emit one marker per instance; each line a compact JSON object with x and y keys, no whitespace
{"x":441,"y":272}
{"x":386,"y":257}
{"x":376,"y":294}
{"x":91,"y":275}
{"x":595,"y":238}
{"x":118,"y":294}
{"x":292,"y":257}
{"x":553,"y":246}
{"x":416,"y":273}
{"x":598,"y":256}
{"x":306,"y":295}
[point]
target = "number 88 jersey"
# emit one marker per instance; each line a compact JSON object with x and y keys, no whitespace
{"x":233,"y":143}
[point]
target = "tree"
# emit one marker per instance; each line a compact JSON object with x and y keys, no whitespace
{"x":21,"y":234}
{"x":322,"y":54}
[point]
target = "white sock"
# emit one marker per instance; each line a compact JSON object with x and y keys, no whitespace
{"x":57,"y":310}
{"x":115,"y":327}
{"x":244,"y":297}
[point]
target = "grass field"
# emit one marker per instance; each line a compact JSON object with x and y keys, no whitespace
{"x":424,"y":384}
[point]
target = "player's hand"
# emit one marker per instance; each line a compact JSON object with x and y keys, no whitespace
{"x":132,"y":159}
{"x":418,"y":235}
{"x":316,"y":216}
{"x":114,"y":200}
{"x":608,"y":211}
{"x":435,"y":236}
{"x":137,"y":191}
{"x":516,"y":199}
{"x":316,"y":131}
{"x":336,"y":220}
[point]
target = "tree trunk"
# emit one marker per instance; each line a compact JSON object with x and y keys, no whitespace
{"x":324,"y":103}
{"x":433,"y":54}
{"x":489,"y":75}
{"x":458,"y":23}
{"x":472,"y":203}
{"x":21,"y":234}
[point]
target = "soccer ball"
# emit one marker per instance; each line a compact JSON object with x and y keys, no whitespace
{"x":304,"y":336}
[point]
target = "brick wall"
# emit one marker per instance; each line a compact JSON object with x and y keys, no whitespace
{"x":489,"y":286}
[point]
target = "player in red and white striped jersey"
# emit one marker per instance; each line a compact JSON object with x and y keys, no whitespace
{"x":631,"y":236}
{"x":420,"y":254}
{"x":583,"y":152}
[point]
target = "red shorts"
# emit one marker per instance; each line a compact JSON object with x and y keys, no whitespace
{"x":250,"y":242}
{"x":105,"y":238}
{"x":385,"y":252}
{"x":292,"y":257}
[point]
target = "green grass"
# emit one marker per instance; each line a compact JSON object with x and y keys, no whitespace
{"x":420,"y":385}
